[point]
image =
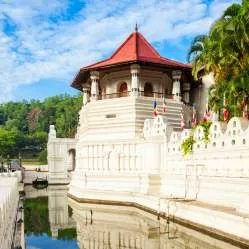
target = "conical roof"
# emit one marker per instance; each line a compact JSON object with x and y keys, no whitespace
{"x":135,"y":49}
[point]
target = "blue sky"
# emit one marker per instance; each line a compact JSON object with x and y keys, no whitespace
{"x":43,"y":43}
{"x":46,"y":242}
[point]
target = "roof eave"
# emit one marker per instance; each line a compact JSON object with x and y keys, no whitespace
{"x":82,"y":75}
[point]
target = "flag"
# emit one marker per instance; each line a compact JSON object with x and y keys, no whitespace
{"x":225,"y":114}
{"x":155,"y":112}
{"x":194,"y":118}
{"x":207,"y":114}
{"x":182,"y":121}
{"x":164,"y":106}
{"x":245,"y":111}
{"x":225,"y":111}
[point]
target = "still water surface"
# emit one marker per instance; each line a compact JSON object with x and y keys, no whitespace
{"x":52,"y":220}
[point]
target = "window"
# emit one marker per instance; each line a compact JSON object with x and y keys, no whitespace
{"x":148,"y":90}
{"x":123,"y":90}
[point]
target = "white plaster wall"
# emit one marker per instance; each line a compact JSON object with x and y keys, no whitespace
{"x":113,"y":80}
{"x":59,"y":159}
{"x":152,"y":168}
{"x":216,"y":173}
{"x":160,"y":82}
{"x":8,"y":208}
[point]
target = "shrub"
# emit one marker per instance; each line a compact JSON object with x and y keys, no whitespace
{"x":187,"y":145}
{"x":43,"y":157}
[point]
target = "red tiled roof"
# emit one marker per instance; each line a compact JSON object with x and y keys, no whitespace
{"x":135,"y":48}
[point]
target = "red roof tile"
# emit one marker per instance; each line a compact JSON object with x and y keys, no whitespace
{"x":135,"y":48}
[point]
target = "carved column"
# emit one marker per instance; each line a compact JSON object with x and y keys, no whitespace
{"x":86,"y":97}
{"x":135,"y":69}
{"x":94,"y":85}
{"x":176,"y":91}
{"x":186,"y":89}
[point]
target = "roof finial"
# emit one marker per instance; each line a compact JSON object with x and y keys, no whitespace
{"x":136,"y":28}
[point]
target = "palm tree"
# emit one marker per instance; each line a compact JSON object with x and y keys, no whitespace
{"x":202,"y":55}
{"x":225,"y":52}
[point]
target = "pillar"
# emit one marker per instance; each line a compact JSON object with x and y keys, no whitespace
{"x":52,"y":132}
{"x":176,"y":91}
{"x":86,"y":96}
{"x":135,"y":69}
{"x":186,"y":89}
{"x":94,"y":85}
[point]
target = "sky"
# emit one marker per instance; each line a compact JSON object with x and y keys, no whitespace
{"x":43,"y":43}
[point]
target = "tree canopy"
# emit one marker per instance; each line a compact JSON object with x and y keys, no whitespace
{"x":224,"y":51}
{"x":24,"y":125}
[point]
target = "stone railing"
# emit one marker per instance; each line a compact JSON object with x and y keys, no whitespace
{"x":8,"y":207}
{"x":216,"y":172}
{"x":17,"y":174}
{"x":231,"y":135}
{"x":110,"y":158}
{"x":140,"y":93}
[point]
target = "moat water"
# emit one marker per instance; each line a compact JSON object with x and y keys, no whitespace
{"x":52,"y":220}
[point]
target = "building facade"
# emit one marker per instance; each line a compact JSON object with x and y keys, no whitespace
{"x":125,"y":155}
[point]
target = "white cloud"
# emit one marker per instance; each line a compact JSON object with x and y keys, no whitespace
{"x":42,"y":42}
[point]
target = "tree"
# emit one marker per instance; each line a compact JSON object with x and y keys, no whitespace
{"x":224,"y":51}
{"x":30,"y":121}
{"x":7,"y":142}
{"x":33,"y":118}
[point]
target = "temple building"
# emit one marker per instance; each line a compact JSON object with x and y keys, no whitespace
{"x":135,"y":69}
{"x":118,"y":92}
{"x":123,"y":154}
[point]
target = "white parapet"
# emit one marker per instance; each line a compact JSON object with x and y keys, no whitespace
{"x":8,"y":208}
{"x":150,"y":168}
{"x":61,"y":159}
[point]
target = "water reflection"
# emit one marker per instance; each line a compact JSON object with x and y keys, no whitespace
{"x":127,"y":227}
{"x":48,"y":219}
{"x":54,"y":221}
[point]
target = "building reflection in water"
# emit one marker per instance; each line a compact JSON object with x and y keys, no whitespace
{"x":48,"y":218}
{"x":119,"y":227}
{"x":106,"y":226}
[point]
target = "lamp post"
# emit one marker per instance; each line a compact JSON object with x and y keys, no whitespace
{"x":8,"y":162}
{"x":1,"y":161}
{"x":20,"y":159}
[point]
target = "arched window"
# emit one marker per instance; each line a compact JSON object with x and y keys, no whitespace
{"x":148,"y":90}
{"x":123,"y":90}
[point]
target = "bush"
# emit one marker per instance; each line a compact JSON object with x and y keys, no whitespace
{"x":43,"y":157}
{"x":187,"y":145}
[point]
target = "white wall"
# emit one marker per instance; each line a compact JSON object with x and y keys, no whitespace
{"x":60,"y":159}
{"x":8,"y":208}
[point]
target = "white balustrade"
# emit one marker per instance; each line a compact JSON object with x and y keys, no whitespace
{"x":8,"y":207}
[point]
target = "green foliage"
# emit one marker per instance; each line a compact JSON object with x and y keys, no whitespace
{"x":40,"y":139}
{"x":187,"y":145}
{"x":67,"y":234}
{"x":24,"y":125}
{"x":9,"y":140}
{"x":36,"y":216}
{"x":43,"y":157}
{"x":225,"y":52}
{"x":206,"y":127}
